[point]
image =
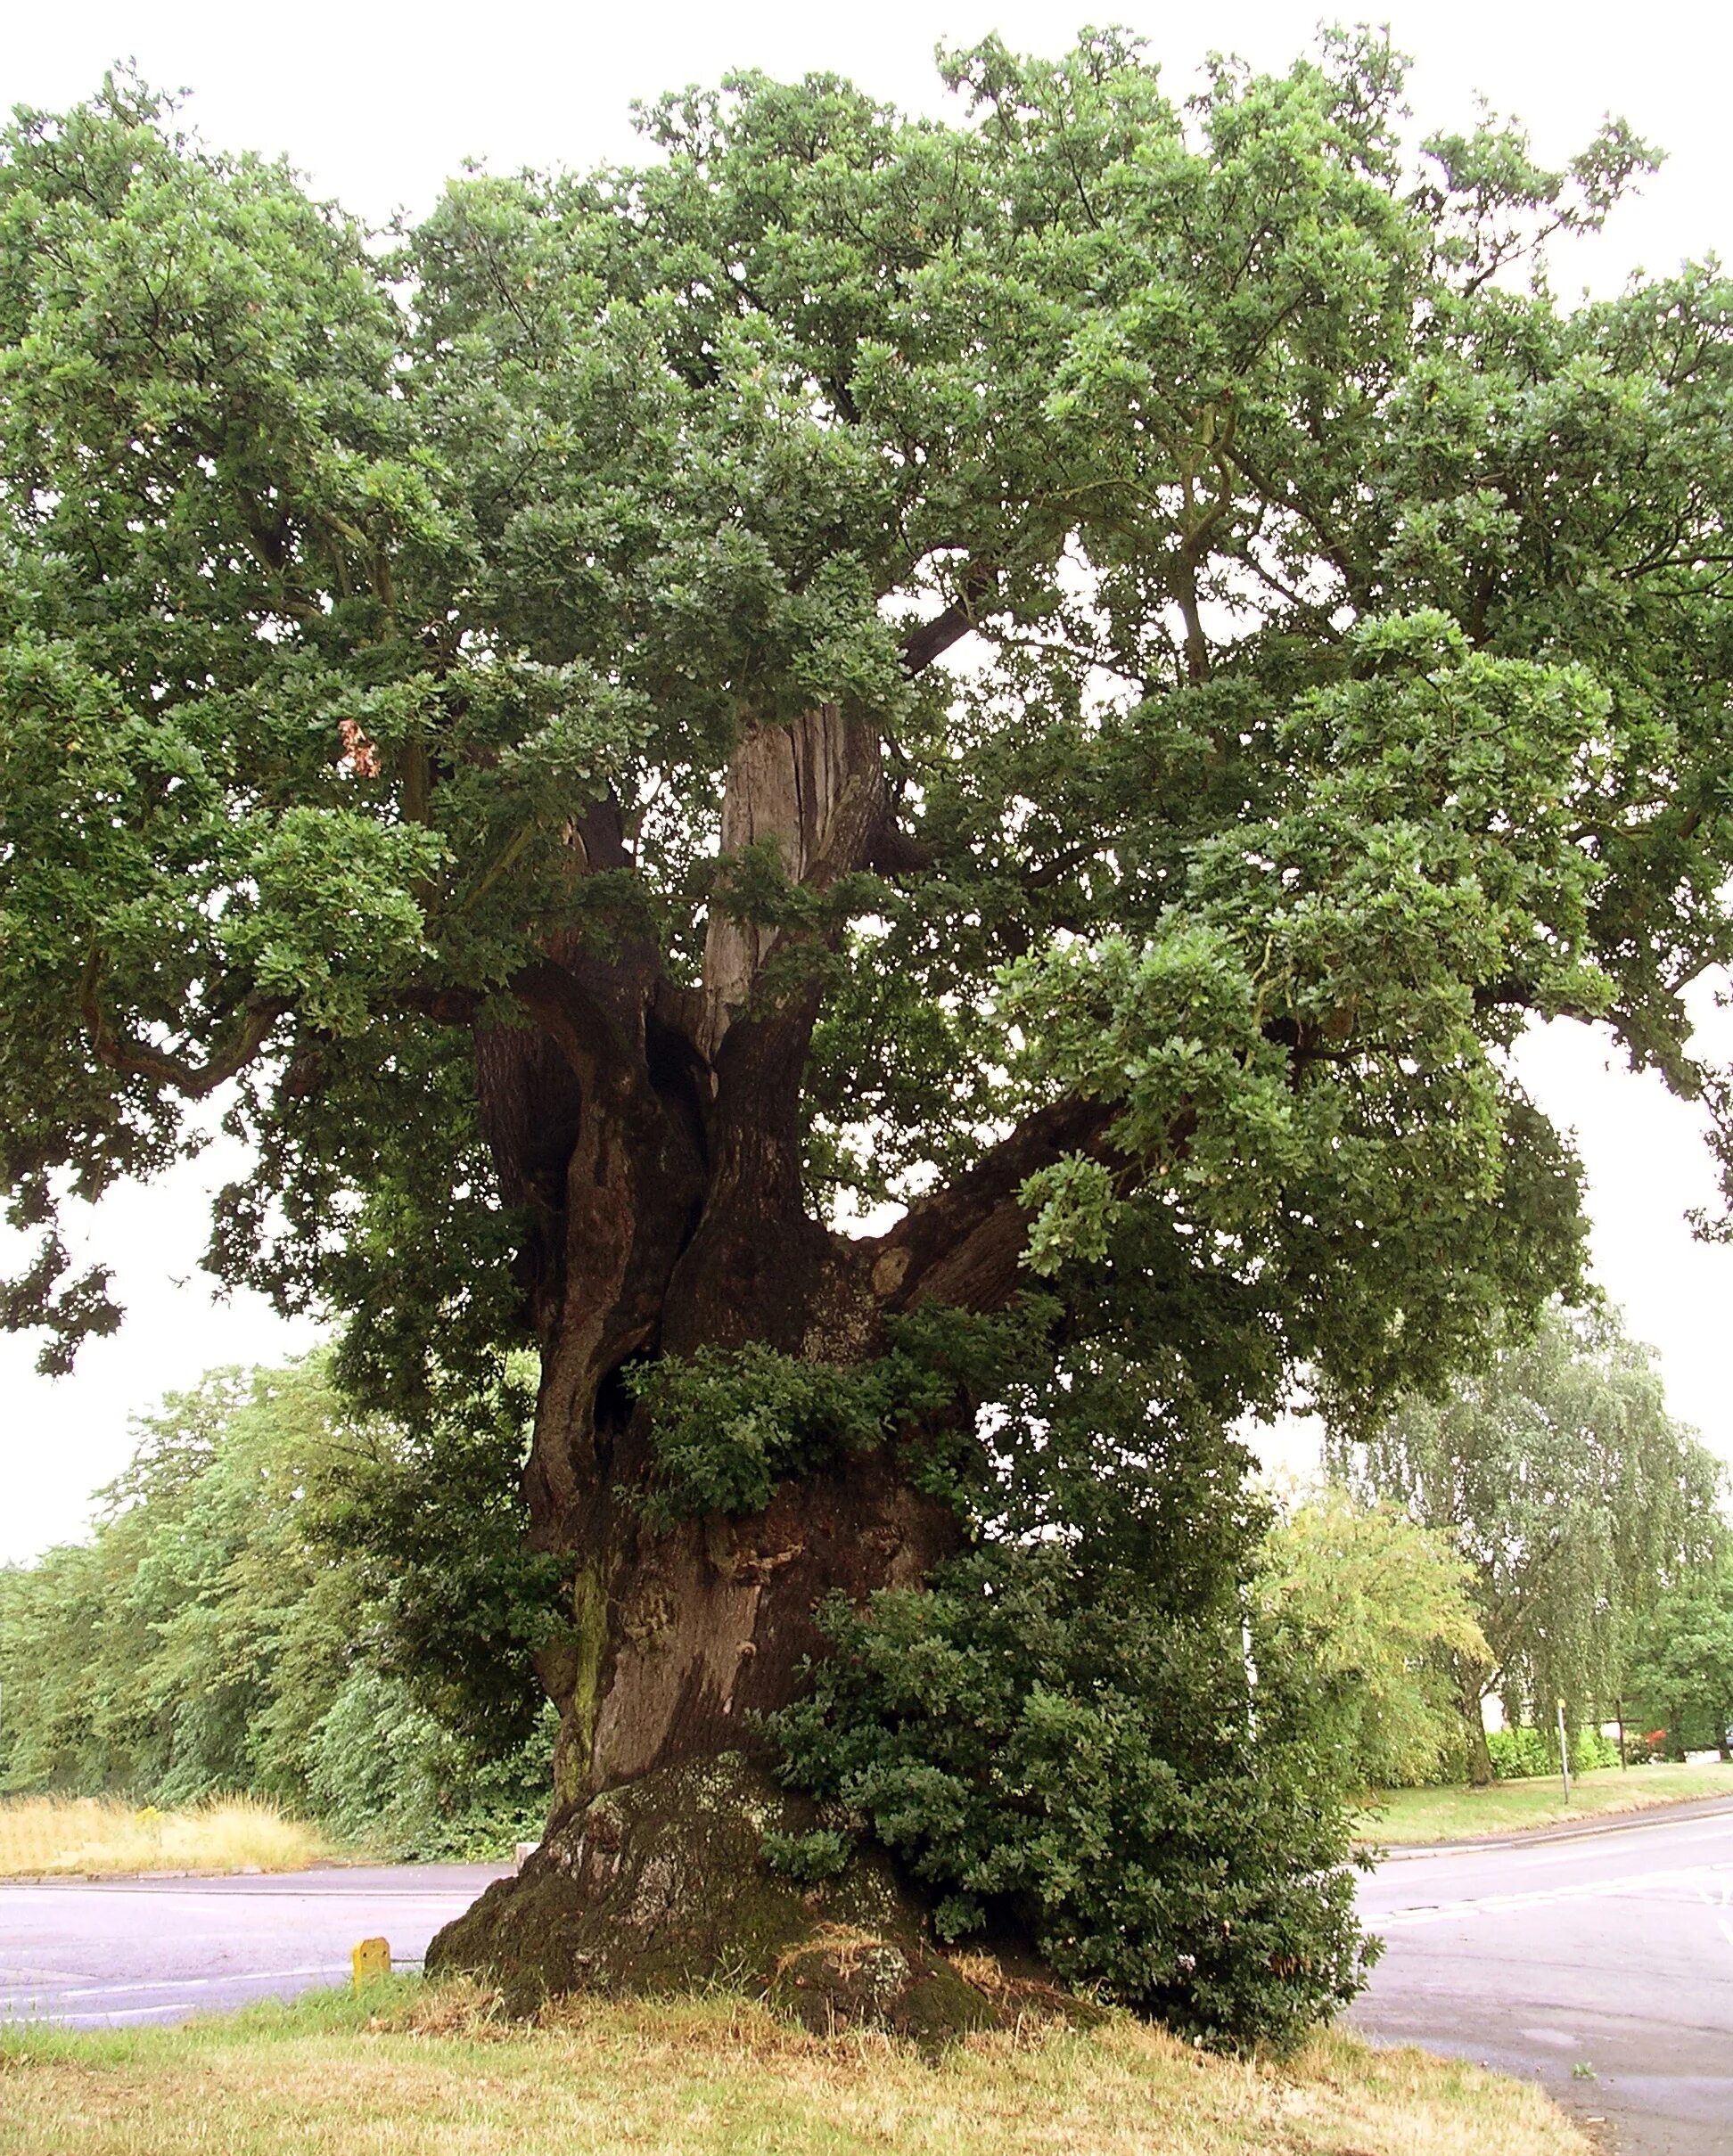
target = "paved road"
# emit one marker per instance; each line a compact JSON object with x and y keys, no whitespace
{"x":1612,"y":1952}
{"x":87,"y":1953}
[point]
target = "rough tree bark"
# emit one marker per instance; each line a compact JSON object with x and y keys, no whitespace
{"x":656,"y":1137}
{"x":651,"y":1136}
{"x":1472,"y":1679}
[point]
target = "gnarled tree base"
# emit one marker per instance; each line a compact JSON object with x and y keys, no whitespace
{"x":660,"y":1887}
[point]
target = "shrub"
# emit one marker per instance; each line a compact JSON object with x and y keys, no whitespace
{"x":383,"y":1771}
{"x":1518,"y":1753}
{"x":1070,"y":1761}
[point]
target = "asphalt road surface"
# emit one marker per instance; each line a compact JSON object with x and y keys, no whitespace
{"x":1609,"y":1955}
{"x":88,"y":1953}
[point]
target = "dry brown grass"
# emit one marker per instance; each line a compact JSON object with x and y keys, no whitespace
{"x":438,"y":2073}
{"x":41,"y":1837}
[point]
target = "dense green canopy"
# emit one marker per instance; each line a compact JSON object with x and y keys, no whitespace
{"x":1680,"y":1669}
{"x":1345,"y":677}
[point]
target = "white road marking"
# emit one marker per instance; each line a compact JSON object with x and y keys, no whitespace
{"x":200,"y":1983}
{"x":1537,"y":1897}
{"x":135,"y":2013}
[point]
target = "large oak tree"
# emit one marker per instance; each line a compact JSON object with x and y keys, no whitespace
{"x":1076,"y":674}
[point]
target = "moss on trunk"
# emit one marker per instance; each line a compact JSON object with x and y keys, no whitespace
{"x":660,"y":1887}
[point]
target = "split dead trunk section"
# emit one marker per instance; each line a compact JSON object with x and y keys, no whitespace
{"x":651,"y":1136}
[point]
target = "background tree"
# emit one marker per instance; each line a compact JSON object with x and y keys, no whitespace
{"x":481,"y":708}
{"x":208,"y":1639}
{"x":1560,"y":1477}
{"x":1380,"y":1605}
{"x":1680,"y":1669}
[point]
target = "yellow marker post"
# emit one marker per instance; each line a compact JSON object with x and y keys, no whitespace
{"x":371,"y":1959}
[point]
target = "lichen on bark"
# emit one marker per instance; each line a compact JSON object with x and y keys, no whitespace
{"x":661,"y":1886}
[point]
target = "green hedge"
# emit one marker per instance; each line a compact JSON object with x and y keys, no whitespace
{"x":1519,"y":1754}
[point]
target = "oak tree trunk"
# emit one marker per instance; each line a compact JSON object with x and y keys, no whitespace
{"x":649,"y":1134}
{"x":653,"y":1135}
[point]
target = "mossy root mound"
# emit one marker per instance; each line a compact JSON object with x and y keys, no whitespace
{"x":660,"y":1887}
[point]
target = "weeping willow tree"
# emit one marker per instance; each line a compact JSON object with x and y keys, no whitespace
{"x":889,"y":786}
{"x":1576,"y":1498}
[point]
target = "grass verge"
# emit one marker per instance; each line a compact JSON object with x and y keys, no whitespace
{"x":429,"y":2070}
{"x":41,"y":1837}
{"x":1409,"y":1815}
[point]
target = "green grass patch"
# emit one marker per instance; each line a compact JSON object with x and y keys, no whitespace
{"x":1410,"y":1816}
{"x":433,"y":2070}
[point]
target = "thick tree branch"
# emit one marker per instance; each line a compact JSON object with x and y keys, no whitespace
{"x":134,"y":1059}
{"x":964,"y":1244}
{"x":602,"y":1049}
{"x":1515,"y":994}
{"x":931,"y":640}
{"x":1064,"y":862}
{"x":894,"y":852}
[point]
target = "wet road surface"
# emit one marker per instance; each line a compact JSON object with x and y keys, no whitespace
{"x":1600,"y":1965}
{"x":90,"y":1953}
{"x":1607,"y":1955}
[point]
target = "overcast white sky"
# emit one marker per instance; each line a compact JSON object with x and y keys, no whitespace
{"x":378,"y":104}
